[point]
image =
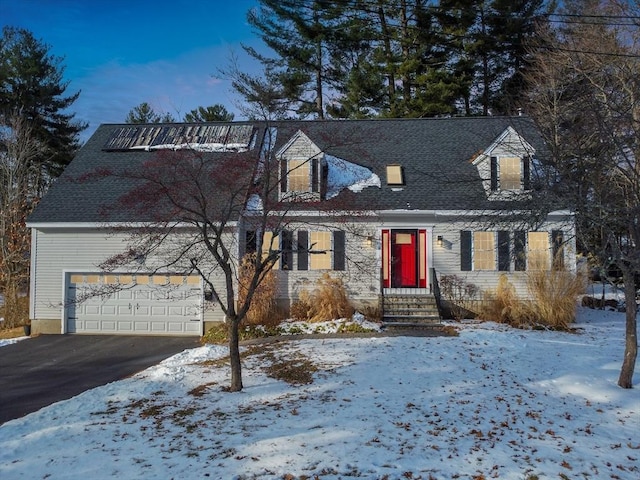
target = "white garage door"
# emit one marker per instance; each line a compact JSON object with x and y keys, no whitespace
{"x":133,"y":304}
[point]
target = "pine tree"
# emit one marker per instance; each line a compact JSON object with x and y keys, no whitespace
{"x":32,"y":86}
{"x":144,"y":113}
{"x":214,"y":113}
{"x":299,"y":32}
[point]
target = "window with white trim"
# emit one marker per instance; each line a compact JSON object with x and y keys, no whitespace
{"x":484,"y":251}
{"x":302,"y":179}
{"x":538,"y":254}
{"x":509,"y":250}
{"x":320,"y":251}
{"x":299,"y":178}
{"x":510,"y":173}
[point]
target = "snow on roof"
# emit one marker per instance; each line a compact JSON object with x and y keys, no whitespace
{"x":344,"y":174}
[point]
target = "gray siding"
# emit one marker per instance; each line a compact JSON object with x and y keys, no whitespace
{"x":446,"y":258}
{"x":56,"y":251}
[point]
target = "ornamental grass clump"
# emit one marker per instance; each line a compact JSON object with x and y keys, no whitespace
{"x":263,"y":310}
{"x":503,"y":305}
{"x":551,"y":303}
{"x":327,"y":301}
{"x":554,"y":295}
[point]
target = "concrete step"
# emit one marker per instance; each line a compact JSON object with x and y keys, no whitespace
{"x":410,"y":325}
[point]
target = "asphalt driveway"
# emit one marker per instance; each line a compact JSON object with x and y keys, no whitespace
{"x":48,"y":368}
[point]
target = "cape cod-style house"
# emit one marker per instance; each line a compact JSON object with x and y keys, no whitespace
{"x":408,"y":201}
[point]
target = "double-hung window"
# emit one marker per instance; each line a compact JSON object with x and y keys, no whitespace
{"x":510,"y":173}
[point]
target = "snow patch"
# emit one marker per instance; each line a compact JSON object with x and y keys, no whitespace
{"x":344,"y":174}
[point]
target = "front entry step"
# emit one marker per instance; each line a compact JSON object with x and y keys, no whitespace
{"x":410,"y":311}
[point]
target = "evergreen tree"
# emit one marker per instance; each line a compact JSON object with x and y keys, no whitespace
{"x":487,"y":45}
{"x":214,"y":113}
{"x":144,"y":113}
{"x":300,"y":33}
{"x":32,"y":86}
{"x":397,"y":58}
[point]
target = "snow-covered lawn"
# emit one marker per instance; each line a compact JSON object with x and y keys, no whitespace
{"x":492,"y":403}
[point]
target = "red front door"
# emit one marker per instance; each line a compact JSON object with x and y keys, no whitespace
{"x":404,"y":259}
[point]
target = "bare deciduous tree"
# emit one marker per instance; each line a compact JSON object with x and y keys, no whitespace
{"x":585,"y":96}
{"x":18,"y":180}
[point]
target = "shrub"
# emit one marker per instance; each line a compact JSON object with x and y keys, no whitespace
{"x":263,"y":309}
{"x":554,"y":295}
{"x":459,"y":294}
{"x":15,"y":311}
{"x":503,"y":305}
{"x":328,"y":301}
{"x":552,"y":300}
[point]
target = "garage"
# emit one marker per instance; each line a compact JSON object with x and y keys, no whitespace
{"x":130,"y":304}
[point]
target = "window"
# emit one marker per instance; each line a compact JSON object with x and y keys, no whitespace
{"x":303,"y":250}
{"x":484,"y":253}
{"x":298,"y":176}
{"x":320,"y":251}
{"x":302,"y":179}
{"x":477,"y":251}
{"x":538,"y":251}
{"x":510,"y":173}
{"x":395,"y":175}
{"x":270,"y":244}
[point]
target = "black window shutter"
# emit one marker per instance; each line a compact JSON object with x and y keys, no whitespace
{"x":338,"y":250}
{"x":249,"y":245}
{"x":557,"y":240}
{"x":283,"y":175}
{"x":504,"y":258}
{"x":286,"y":257}
{"x":303,"y":250}
{"x":494,"y":174}
{"x":526,"y":173}
{"x":323,"y":181}
{"x":314,"y":175}
{"x":465,"y":250}
{"x":520,"y":257}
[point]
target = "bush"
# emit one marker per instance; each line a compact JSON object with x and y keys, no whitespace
{"x":459,"y":295}
{"x":263,"y":309}
{"x":328,"y":301}
{"x":554,"y":296}
{"x":552,"y":304}
{"x":15,"y":311}
{"x":503,"y":305}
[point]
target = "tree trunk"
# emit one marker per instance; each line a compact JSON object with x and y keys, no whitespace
{"x":234,"y":354}
{"x":631,"y":332}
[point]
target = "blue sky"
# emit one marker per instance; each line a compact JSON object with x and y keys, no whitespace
{"x":120,"y":53}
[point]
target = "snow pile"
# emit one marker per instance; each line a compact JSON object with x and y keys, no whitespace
{"x":492,"y":403}
{"x":343,"y":174}
{"x":333,"y":326}
{"x":9,"y":341}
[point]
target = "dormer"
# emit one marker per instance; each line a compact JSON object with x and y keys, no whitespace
{"x":505,"y":167}
{"x":303,"y":170}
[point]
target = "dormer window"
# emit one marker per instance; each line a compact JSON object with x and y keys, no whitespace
{"x":509,"y":173}
{"x":300,"y":179}
{"x":395,"y":175}
{"x":298,"y":176}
